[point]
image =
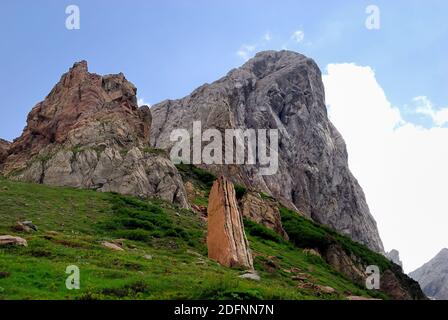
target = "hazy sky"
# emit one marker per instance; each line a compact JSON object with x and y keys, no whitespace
{"x":386,"y":88}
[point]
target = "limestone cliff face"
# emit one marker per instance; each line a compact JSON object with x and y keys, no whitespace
{"x":284,"y":91}
{"x":226,"y":239}
{"x":433,"y":276}
{"x":90,"y":133}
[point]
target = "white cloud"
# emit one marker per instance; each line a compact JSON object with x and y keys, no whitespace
{"x":401,"y":167}
{"x":267,"y":36}
{"x":142,"y":102}
{"x":425,"y":107}
{"x":246,"y":51}
{"x":298,"y":36}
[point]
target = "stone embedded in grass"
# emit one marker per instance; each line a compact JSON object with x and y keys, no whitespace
{"x":11,"y":240}
{"x":112,"y":246}
{"x":25,"y":226}
{"x":312,"y":252}
{"x":251,"y":275}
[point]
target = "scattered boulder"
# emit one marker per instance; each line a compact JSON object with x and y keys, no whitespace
{"x":317,"y":288}
{"x":112,"y":246}
{"x":25,"y":226}
{"x":11,"y":240}
{"x":147,"y":257}
{"x":251,"y":275}
{"x":312,"y":252}
{"x":326,"y":289}
{"x":226,"y":239}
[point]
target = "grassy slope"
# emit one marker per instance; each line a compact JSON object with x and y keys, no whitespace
{"x":72,"y":224}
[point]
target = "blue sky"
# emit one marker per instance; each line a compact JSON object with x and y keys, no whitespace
{"x":168,"y":48}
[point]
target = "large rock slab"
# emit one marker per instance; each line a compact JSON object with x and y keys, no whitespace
{"x":226,"y":239}
{"x":90,"y":133}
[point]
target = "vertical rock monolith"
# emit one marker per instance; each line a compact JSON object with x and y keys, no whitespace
{"x":226,"y":239}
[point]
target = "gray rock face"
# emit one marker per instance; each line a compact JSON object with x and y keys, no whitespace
{"x":394,"y":256}
{"x":284,"y":91}
{"x":433,"y":276}
{"x":90,"y":133}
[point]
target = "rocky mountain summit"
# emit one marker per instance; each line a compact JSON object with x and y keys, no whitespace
{"x":280,"y":90}
{"x":433,"y":276}
{"x":89,"y":132}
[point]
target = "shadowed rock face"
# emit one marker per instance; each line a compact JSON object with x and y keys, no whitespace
{"x":90,"y":133}
{"x":4,"y":147}
{"x":263,"y":211}
{"x":433,"y":276}
{"x":226,"y":239}
{"x":284,"y":91}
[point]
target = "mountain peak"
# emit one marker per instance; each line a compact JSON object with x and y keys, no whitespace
{"x":433,"y":276}
{"x":267,"y":62}
{"x":280,"y":90}
{"x":443,"y":253}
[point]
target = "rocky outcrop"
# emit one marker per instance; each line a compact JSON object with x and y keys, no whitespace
{"x":284,"y":91}
{"x":347,"y":264}
{"x":90,"y":133}
{"x":262,"y":211}
{"x":390,"y":284}
{"x":394,"y":256}
{"x":4,"y":147}
{"x":393,"y":281}
{"x":226,"y":239}
{"x":433,"y":276}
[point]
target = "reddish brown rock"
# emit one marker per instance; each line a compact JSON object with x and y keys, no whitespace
{"x":90,"y":133}
{"x":226,"y":240}
{"x":263,"y":211}
{"x":4,"y":147}
{"x":392,"y":286}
